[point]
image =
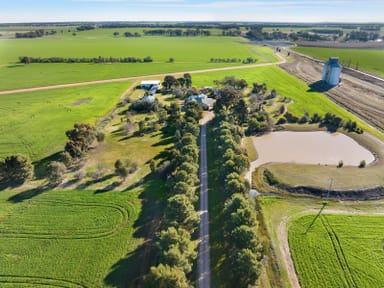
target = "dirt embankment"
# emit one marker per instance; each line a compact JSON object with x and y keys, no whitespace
{"x":374,"y":193}
{"x":366,"y":100}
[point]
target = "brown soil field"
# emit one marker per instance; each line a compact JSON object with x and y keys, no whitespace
{"x":364,"y":99}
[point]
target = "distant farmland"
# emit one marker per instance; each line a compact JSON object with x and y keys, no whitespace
{"x":338,"y":250}
{"x":367,"y":60}
{"x":189,"y":53}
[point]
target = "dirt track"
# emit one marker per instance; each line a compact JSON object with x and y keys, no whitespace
{"x":363,"y":99}
{"x":134,"y":78}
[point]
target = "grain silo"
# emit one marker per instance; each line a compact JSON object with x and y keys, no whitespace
{"x":332,"y":71}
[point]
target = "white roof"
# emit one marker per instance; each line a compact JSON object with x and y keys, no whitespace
{"x":149,"y":98}
{"x":150,"y":82}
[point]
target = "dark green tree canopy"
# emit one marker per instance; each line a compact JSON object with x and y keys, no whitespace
{"x":16,"y":169}
{"x":165,"y":276}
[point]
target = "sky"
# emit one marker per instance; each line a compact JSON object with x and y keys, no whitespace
{"x":13,"y":11}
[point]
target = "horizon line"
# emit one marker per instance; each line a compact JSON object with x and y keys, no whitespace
{"x":188,"y":21}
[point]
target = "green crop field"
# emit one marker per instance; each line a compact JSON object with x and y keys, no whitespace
{"x":72,"y":238}
{"x":366,"y":60}
{"x":189,"y":53}
{"x":34,"y":123}
{"x":286,"y":85}
{"x":338,"y":250}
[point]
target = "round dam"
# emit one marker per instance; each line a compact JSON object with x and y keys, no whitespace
{"x":318,"y":147}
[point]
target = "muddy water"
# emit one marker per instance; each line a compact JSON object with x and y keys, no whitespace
{"x":309,"y":148}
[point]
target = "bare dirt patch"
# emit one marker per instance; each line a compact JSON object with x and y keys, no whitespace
{"x":82,"y":101}
{"x":282,"y":233}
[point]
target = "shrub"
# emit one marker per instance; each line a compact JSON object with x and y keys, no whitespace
{"x":66,"y":158}
{"x":79,"y":176}
{"x":120,"y":169}
{"x":362,"y":164}
{"x":100,"y":136}
{"x":270,"y":178}
{"x":291,"y":118}
{"x":55,"y":173}
{"x":340,"y":164}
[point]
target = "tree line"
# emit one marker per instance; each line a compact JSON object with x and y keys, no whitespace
{"x":173,"y":82}
{"x":362,"y":36}
{"x":31,"y":34}
{"x":28,"y":60}
{"x":231,"y":33}
{"x":244,"y":251}
{"x":85,"y":27}
{"x":248,"y":60}
{"x":330,"y":121}
{"x":177,"y":243}
{"x":257,"y":33}
{"x":177,"y":32}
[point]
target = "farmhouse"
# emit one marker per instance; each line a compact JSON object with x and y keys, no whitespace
{"x":332,"y":71}
{"x":207,"y":103}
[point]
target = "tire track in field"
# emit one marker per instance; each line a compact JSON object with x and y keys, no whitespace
{"x":283,"y":245}
{"x":341,"y":258}
{"x":40,"y":281}
{"x":122,"y":211}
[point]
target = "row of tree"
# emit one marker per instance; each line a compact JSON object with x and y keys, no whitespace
{"x":177,"y":32}
{"x":258,"y":34}
{"x":173,"y":82}
{"x":331,"y":121}
{"x":30,"y":34}
{"x":28,"y":60}
{"x":244,"y":251}
{"x":362,"y":36}
{"x":85,"y":27}
{"x":231,"y":33}
{"x":232,"y":81}
{"x":177,"y":244}
{"x":248,"y":60}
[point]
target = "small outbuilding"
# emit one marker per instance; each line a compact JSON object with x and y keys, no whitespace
{"x":148,"y":84}
{"x":332,"y":71}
